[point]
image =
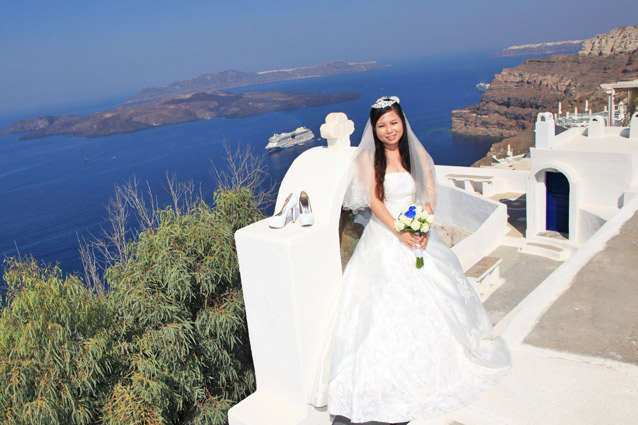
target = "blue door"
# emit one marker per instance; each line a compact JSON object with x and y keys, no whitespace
{"x":557,"y":187}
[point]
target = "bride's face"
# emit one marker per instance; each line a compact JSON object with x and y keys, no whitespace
{"x":389,"y":129}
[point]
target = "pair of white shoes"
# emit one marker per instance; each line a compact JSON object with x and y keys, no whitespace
{"x":294,"y":206}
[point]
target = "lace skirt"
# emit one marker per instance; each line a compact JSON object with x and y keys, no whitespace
{"x":406,"y":343}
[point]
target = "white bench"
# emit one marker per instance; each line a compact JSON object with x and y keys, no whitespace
{"x":485,"y":275}
{"x":472,"y":183}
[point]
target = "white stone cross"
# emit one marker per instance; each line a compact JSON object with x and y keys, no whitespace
{"x":337,"y":130}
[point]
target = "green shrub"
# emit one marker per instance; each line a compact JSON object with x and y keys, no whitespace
{"x":55,"y":347}
{"x":181,"y":310}
{"x":167,"y":345}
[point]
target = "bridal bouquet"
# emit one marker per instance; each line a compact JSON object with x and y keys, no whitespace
{"x":415,"y":220}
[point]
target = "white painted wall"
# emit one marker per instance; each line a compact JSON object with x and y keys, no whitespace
{"x":598,"y":181}
{"x":486,"y":219}
{"x":606,"y":175}
{"x":589,"y":224}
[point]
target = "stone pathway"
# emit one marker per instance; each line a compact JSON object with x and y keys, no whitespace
{"x":577,"y":364}
{"x":522,"y":274}
{"x":597,"y":315}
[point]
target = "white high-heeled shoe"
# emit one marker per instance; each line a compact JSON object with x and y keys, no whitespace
{"x":289,"y":208}
{"x":305,"y":210}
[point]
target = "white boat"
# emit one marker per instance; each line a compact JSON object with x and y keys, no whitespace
{"x":285,"y":140}
{"x":482,"y":86}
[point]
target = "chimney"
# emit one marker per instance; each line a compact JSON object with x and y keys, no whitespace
{"x":596,"y":127}
{"x":545,"y":131}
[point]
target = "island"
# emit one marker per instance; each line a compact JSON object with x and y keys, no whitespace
{"x":232,"y":79}
{"x":173,"y":110}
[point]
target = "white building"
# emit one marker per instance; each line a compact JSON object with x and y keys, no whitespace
{"x":580,"y":178}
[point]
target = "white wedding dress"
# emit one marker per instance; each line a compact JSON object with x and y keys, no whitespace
{"x":408,"y":343}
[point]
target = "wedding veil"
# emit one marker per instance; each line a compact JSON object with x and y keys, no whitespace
{"x":362,"y":186}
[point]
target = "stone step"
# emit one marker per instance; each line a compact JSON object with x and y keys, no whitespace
{"x":547,"y":250}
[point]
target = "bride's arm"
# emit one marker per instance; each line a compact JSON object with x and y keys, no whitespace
{"x":381,"y":212}
{"x":428,"y":208}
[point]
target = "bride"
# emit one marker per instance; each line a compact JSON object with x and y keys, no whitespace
{"x":407,"y":343}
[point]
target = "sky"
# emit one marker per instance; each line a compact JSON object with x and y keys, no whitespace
{"x":55,"y":52}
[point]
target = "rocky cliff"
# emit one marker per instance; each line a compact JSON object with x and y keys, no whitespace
{"x":516,"y":95}
{"x":619,"y":40}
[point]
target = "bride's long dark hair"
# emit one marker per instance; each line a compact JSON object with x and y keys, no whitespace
{"x":380,"y":161}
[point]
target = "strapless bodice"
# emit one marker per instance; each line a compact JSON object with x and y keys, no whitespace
{"x":399,"y":192}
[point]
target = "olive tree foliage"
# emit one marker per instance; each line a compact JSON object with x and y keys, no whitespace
{"x":182,"y":313}
{"x":156,"y":334}
{"x":56,"y":347}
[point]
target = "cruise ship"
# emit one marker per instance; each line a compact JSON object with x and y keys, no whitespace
{"x":285,"y":140}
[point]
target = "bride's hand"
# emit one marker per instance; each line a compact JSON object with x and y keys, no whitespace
{"x":424,"y":240}
{"x":413,"y":241}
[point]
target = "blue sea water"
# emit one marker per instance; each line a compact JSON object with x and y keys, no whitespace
{"x":55,"y":188}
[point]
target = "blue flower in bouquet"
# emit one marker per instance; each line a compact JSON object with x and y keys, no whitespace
{"x":411,"y":212}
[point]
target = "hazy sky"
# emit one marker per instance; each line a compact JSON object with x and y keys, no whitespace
{"x":64,"y":51}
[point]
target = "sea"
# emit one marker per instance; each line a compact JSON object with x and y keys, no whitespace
{"x":54,"y":190}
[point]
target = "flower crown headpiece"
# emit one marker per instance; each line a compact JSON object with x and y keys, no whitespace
{"x":385,"y":101}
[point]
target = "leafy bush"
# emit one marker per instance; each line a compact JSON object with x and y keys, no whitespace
{"x":167,"y":344}
{"x":55,"y":347}
{"x":182,"y":313}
